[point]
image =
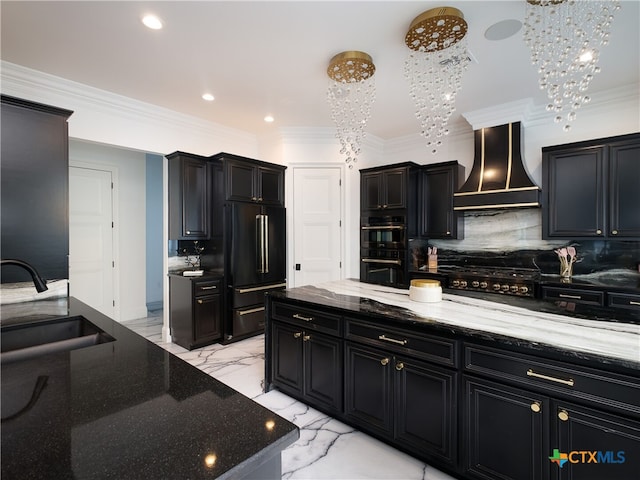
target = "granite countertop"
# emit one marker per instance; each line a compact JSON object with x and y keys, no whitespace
{"x":129,"y":409}
{"x":530,"y":323}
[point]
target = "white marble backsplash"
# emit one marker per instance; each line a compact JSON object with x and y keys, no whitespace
{"x":25,"y":291}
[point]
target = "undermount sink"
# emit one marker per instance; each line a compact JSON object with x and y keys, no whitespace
{"x":33,"y":339}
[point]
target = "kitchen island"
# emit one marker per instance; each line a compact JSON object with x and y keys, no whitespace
{"x":478,"y":388}
{"x":129,"y":409}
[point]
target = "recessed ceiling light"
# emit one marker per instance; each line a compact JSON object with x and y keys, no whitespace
{"x":503,"y":29}
{"x":208,"y":97}
{"x":152,"y":22}
{"x":269,"y":119}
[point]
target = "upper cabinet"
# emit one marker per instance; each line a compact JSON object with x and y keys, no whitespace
{"x":590,"y":189}
{"x":189,"y":197}
{"x":383,"y":188}
{"x":253,"y":181}
{"x":438,"y":183}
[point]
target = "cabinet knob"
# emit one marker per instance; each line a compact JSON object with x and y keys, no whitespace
{"x":188,"y":232}
{"x":259,"y":199}
{"x":306,"y":338}
{"x":599,"y":232}
{"x":399,"y":366}
{"x":563,"y":415}
{"x":448,"y":232}
{"x":199,"y":302}
{"x":297,"y":335}
{"x":384,"y":361}
{"x":254,"y":199}
{"x":614,"y":232}
{"x":536,"y":407}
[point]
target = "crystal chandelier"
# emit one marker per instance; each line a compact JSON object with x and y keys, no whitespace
{"x":564,"y":36}
{"x":351,"y":94}
{"x":434,"y":67}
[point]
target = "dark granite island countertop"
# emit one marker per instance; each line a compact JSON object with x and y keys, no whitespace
{"x":130,"y":409}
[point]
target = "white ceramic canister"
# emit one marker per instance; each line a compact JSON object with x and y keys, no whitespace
{"x":425,"y":290}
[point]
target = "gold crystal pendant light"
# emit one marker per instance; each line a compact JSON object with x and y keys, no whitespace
{"x":565,"y":37}
{"x":350,"y":94}
{"x":436,"y":61}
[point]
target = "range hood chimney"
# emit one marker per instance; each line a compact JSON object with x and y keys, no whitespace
{"x":498,"y":177}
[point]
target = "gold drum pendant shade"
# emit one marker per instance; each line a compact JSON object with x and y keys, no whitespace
{"x":351,"y":66}
{"x":436,"y":29}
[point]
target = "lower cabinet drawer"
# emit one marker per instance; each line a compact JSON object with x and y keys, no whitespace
{"x":617,"y":391}
{"x":428,"y":347}
{"x":574,"y":295}
{"x":248,"y":320}
{"x":623,"y":300}
{"x":251,"y":295}
{"x":308,"y":318}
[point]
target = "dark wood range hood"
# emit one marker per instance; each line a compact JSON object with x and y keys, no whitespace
{"x":498,"y":178}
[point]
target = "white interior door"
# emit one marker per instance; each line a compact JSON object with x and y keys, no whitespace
{"x":91,"y":238}
{"x":317,"y":210}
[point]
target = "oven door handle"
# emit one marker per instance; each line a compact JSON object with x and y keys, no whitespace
{"x":377,"y":260}
{"x":383,"y":227}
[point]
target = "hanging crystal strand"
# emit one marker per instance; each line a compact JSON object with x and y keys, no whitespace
{"x":564,"y":37}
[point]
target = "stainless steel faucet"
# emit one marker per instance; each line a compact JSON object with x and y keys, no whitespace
{"x":38,"y":281}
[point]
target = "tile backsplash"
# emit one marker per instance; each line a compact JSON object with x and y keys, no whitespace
{"x":513,"y":238}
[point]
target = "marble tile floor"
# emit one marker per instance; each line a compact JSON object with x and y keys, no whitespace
{"x":327,"y":448}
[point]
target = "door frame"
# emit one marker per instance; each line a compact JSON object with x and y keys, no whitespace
{"x":289,"y":179}
{"x":115,"y":271}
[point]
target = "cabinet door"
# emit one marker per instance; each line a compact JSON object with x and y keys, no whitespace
{"x":611,"y":441}
{"x":195,"y":199}
{"x":270,"y":186}
{"x":438,"y":217}
{"x":574,"y":193}
{"x":503,"y":431}
{"x":323,"y":369}
{"x":624,"y":188}
{"x":368,"y":394}
{"x":207,"y":317}
{"x":425,"y":409}
{"x":395,"y":188}
{"x":287,"y":357}
{"x":371,"y":191}
{"x":240,"y":181}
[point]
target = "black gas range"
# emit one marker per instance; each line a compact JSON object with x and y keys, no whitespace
{"x":520,"y":282}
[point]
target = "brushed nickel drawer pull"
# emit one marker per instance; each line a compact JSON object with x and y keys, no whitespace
{"x":253,"y":310}
{"x":392,"y":340}
{"x":212,"y":287}
{"x":257,"y":289}
{"x":531,"y":373}
{"x":566,"y":295}
{"x":301,"y":317}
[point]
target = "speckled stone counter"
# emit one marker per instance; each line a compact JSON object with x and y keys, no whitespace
{"x":528,"y":323}
{"x":129,"y":409}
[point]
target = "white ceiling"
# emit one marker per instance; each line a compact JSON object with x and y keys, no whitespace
{"x":271,"y":57}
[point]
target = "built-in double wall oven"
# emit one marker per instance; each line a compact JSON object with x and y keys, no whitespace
{"x":383,"y":250}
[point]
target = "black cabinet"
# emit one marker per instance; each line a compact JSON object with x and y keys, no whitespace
{"x":190,"y":183}
{"x":590,"y":189}
{"x":388,"y":188}
{"x":35,"y":188}
{"x":438,"y":183}
{"x":195,"y":310}
{"x":307,"y":362}
{"x":249,"y":180}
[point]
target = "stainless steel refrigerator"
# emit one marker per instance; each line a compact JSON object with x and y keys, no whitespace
{"x":256,"y":263}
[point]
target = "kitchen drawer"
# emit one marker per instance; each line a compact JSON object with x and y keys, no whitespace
{"x":253,"y":295}
{"x":206,"y":287}
{"x":617,"y":391}
{"x":623,"y":300}
{"x":428,"y":347}
{"x":574,"y":295}
{"x":249,"y":320}
{"x":309,"y":318}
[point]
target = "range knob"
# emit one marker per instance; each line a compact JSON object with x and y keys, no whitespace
{"x":484,"y":284}
{"x":463,"y":283}
{"x":514,"y":288}
{"x":455,"y":283}
{"x":524,"y":289}
{"x":505,"y":288}
{"x":496,"y":286}
{"x":475,"y":284}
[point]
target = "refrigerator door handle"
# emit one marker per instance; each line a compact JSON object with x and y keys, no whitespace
{"x":259,"y":244}
{"x":266,"y":244}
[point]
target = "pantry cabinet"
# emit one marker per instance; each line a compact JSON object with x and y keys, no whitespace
{"x":438,"y":183}
{"x":590,"y":189}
